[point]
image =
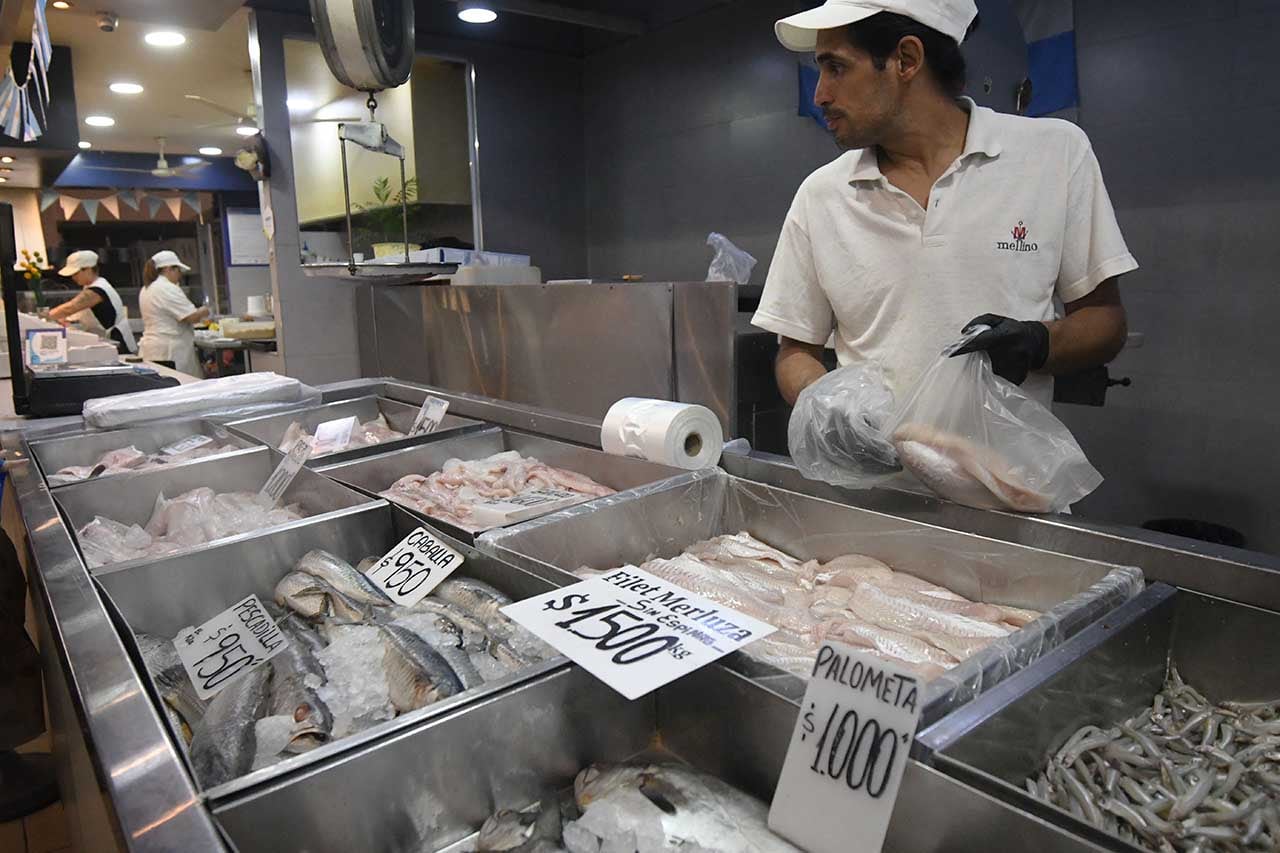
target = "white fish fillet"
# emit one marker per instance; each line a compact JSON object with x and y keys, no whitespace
{"x":957,"y":635}
{"x":895,"y":643}
{"x":962,"y":471}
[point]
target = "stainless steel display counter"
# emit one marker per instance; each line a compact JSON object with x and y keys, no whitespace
{"x":126,"y":785}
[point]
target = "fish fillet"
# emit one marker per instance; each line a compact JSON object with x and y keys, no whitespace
{"x":962,"y":471}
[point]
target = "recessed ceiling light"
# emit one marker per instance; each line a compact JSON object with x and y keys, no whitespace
{"x":4,"y":180}
{"x":6,"y":159}
{"x":61,"y":4}
{"x":99,"y":121}
{"x":476,"y":12}
{"x":84,"y":144}
{"x":5,"y":169}
{"x":126,"y":88}
{"x":165,"y":38}
{"x":300,"y":103}
{"x":210,"y":151}
{"x":247,"y":130}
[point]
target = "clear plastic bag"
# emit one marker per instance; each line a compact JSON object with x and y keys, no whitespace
{"x":835,"y":430}
{"x":729,"y":262}
{"x":978,"y":440}
{"x":228,"y":397}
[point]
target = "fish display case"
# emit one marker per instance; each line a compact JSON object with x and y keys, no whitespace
{"x":271,"y":430}
{"x":86,"y":448}
{"x":132,"y":498}
{"x":663,"y":520}
{"x":375,"y":474}
{"x":1103,"y":677}
{"x":163,"y":597}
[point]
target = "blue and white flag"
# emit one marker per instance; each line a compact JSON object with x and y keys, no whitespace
{"x":1049,"y":28}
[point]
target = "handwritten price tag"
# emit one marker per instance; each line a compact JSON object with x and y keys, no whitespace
{"x":635,"y":631}
{"x":333,"y":436}
{"x":526,"y":505}
{"x":191,"y":442}
{"x":848,"y":752}
{"x":429,"y":416}
{"x":229,"y":646}
{"x":278,"y":483}
{"x":413,"y":568}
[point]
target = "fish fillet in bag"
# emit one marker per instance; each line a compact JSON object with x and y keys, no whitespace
{"x":979,"y":440}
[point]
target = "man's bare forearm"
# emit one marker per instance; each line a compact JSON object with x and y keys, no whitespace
{"x":798,"y":366}
{"x":1092,"y":333}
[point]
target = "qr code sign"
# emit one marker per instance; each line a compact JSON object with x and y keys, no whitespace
{"x":48,"y":343}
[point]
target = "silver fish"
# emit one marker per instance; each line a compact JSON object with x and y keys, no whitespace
{"x":301,"y":593}
{"x":303,"y":631}
{"x":474,"y":635}
{"x":295,"y":676}
{"x":340,"y":575}
{"x":176,"y":689}
{"x":223,"y":742}
{"x":530,"y":831}
{"x":416,"y":673}
{"x":476,"y":597}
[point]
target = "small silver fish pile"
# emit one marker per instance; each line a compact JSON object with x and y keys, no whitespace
{"x":644,"y":808}
{"x":1185,"y":774}
{"x":353,"y":659}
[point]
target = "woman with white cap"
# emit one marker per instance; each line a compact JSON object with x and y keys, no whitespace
{"x":168,"y":315}
{"x":97,"y":297}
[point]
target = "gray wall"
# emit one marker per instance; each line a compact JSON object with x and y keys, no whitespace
{"x":1182,"y":102}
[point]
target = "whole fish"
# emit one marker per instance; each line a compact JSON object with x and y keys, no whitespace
{"x":342,"y":576}
{"x":472,"y":631}
{"x":176,"y":689}
{"x":303,"y":631}
{"x":416,"y":673}
{"x":476,"y":597}
{"x":301,"y":593}
{"x":223,"y":743}
{"x":532,"y":830}
{"x":296,"y":675}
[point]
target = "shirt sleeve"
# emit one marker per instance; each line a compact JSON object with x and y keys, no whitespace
{"x":1093,"y":249}
{"x":793,"y":304}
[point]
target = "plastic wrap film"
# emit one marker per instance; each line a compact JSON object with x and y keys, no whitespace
{"x":228,"y":397}
{"x":834,"y":433}
{"x":664,"y":519}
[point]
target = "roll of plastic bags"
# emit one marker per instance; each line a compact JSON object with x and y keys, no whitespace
{"x":835,"y":430}
{"x":228,"y":397}
{"x":977,"y":439}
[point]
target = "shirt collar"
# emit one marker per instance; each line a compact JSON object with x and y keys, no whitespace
{"x":980,"y":139}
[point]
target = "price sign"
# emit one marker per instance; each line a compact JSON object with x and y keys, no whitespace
{"x":229,"y":645}
{"x":191,"y":442}
{"x":46,"y":346}
{"x":278,"y":483}
{"x":635,"y":631}
{"x":429,"y":416}
{"x":848,"y":751}
{"x":332,"y":436}
{"x":413,"y":568}
{"x":526,"y":505}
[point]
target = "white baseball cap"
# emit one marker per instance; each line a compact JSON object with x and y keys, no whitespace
{"x":799,"y":32}
{"x":167,"y":258}
{"x":81,"y":260}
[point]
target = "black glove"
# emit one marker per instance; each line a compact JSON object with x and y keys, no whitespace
{"x":1016,"y":347}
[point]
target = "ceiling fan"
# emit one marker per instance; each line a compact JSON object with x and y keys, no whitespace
{"x":162,"y":168}
{"x":247,"y":118}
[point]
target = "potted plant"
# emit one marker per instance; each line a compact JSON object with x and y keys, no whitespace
{"x":384,"y":216}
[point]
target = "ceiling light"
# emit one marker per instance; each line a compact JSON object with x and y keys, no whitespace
{"x":300,"y":103}
{"x":210,"y":151}
{"x":247,"y":130}
{"x":61,"y":4}
{"x":6,"y":169}
{"x":6,"y":159}
{"x":85,"y":144}
{"x":4,"y":180}
{"x":99,"y":121}
{"x":165,"y":38}
{"x":476,"y":12}
{"x":126,"y":88}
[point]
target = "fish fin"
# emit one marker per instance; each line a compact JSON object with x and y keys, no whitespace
{"x":662,"y":795}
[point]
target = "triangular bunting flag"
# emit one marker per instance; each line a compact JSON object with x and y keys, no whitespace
{"x":47,"y":197}
{"x":68,"y":205}
{"x":192,"y":200}
{"x":175,"y":206}
{"x":128,"y":199}
{"x":153,"y":206}
{"x":112,"y":205}
{"x":90,"y":206}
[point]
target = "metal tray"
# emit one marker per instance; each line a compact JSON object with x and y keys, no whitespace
{"x":163,"y":597}
{"x":270,"y":429}
{"x":86,"y":448}
{"x":130,"y":498}
{"x":1104,"y":676}
{"x":376,"y":473}
{"x":437,"y":783}
{"x":664,"y":520}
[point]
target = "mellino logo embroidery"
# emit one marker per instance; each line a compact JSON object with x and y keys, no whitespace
{"x":1019,"y":242}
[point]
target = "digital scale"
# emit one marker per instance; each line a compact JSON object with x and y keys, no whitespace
{"x":50,"y":390}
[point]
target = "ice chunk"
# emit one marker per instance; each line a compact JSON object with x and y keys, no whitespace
{"x":272,"y":734}
{"x":356,"y":692}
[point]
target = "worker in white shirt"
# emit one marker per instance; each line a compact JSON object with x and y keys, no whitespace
{"x":97,"y":306}
{"x":168,"y":317}
{"x":940,"y":215}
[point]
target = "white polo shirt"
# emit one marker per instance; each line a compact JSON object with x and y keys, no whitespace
{"x":1020,"y":218}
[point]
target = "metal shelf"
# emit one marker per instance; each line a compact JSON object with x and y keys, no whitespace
{"x":384,"y":273}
